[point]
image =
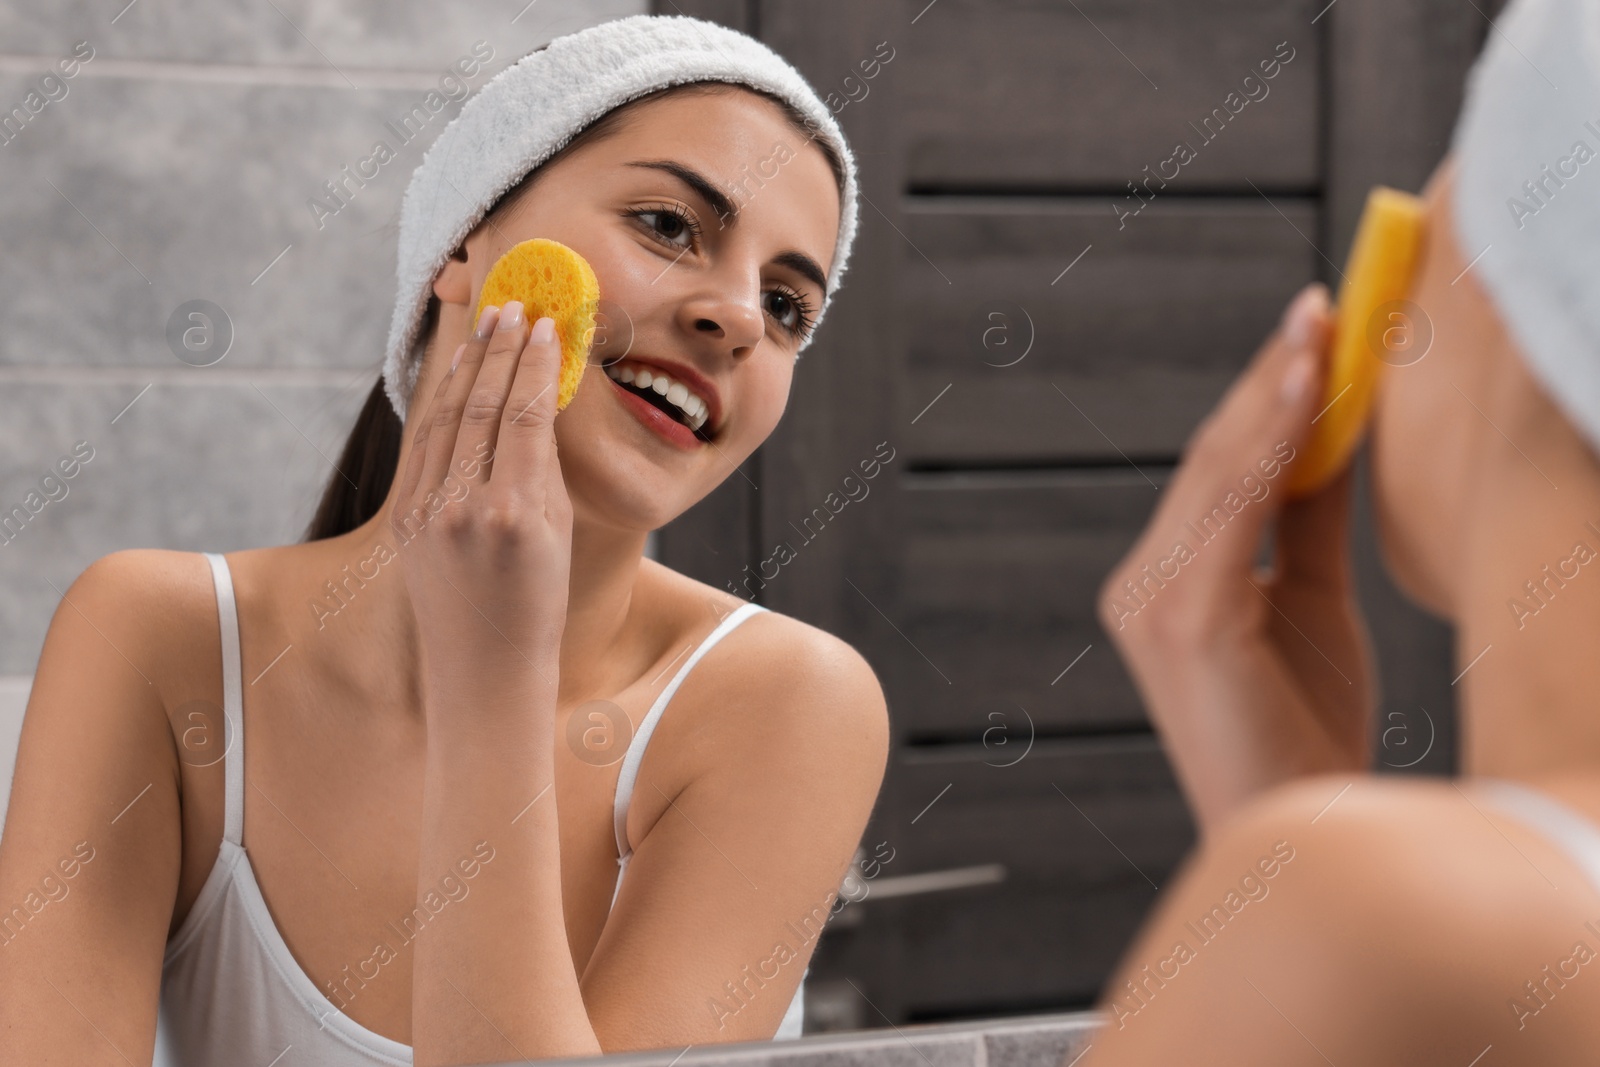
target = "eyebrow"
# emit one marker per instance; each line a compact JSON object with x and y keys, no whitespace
{"x":726,"y":209}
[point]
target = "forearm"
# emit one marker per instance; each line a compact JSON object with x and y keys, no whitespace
{"x":494,"y":978}
{"x":1228,"y":742}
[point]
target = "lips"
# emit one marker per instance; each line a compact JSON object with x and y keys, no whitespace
{"x":654,"y":419}
{"x":692,"y":379}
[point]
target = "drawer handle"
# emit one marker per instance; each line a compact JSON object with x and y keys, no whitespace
{"x":910,"y":885}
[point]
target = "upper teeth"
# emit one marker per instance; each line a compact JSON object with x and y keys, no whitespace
{"x":694,"y":409}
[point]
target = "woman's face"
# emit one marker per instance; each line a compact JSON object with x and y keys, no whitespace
{"x":710,"y":292}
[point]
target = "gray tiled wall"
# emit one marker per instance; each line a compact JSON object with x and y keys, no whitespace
{"x":176,"y":166}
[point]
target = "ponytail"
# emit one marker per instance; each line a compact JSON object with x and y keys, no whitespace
{"x":369,"y":460}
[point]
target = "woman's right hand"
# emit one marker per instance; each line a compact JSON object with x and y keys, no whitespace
{"x":1252,"y":675}
{"x":485,"y":524}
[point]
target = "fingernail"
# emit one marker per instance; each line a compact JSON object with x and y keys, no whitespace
{"x":455,"y":361}
{"x":486,"y":320}
{"x":544,"y":331}
{"x":1297,"y":379}
{"x":511,"y":315}
{"x":1302,"y":318}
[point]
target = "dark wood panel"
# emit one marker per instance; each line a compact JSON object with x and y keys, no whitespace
{"x":1084,"y":812}
{"x":1398,"y":83}
{"x":1056,"y":819}
{"x":1142,"y":333}
{"x":713,"y":541}
{"x":1001,"y":572}
{"x":1009,"y":93}
{"x":844,"y":383}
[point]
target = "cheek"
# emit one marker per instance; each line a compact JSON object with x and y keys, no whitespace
{"x":765,"y":396}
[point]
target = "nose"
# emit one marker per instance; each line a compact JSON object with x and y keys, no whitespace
{"x":733,"y":326}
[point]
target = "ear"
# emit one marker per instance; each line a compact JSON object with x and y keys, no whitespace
{"x":453,"y":284}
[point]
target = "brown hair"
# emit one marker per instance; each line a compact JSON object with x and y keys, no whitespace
{"x":366,"y":467}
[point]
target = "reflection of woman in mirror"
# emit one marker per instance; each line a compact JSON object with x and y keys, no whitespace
{"x":430,"y":776}
{"x":1332,"y":917}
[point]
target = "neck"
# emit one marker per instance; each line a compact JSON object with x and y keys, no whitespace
{"x":357,"y":610}
{"x":1528,"y":599}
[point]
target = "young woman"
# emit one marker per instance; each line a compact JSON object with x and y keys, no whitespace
{"x":1332,"y":917}
{"x":352,"y":801}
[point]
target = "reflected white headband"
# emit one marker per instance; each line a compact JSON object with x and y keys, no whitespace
{"x":1527,"y":150}
{"x":526,"y":113}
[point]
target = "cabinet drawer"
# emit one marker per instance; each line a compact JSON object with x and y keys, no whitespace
{"x":997,"y":591}
{"x":1029,"y":92}
{"x":1120,"y":356}
{"x":1081,"y":828}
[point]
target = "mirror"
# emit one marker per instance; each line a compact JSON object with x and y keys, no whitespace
{"x":1079,"y":221}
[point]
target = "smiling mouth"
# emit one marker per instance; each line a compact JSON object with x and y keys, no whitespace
{"x":663,"y":404}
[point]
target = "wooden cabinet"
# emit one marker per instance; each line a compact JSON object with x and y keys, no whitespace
{"x":1047,"y":294}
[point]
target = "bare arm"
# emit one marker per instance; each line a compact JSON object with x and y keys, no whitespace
{"x":728,"y":890}
{"x":90,"y":858}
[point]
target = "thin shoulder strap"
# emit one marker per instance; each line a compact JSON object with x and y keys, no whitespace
{"x":232,"y":700}
{"x":635,"y":754}
{"x":1567,"y":830}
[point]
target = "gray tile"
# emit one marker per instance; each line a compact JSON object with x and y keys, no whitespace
{"x":207,"y":466}
{"x":320,"y":35}
{"x":1031,"y":1041}
{"x":13,"y":701}
{"x":136,"y":197}
{"x":1056,"y":1043}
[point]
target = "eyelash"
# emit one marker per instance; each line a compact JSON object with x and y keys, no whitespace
{"x":803,"y":309}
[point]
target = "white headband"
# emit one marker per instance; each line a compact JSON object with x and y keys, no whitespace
{"x":526,"y":113}
{"x":1527,"y":192}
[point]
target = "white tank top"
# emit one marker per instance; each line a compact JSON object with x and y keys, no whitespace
{"x":1565,"y":828}
{"x":231,"y":992}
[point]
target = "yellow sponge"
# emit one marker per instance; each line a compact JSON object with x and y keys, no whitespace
{"x":552,"y":280}
{"x":1379,"y":271}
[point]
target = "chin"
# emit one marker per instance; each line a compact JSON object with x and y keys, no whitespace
{"x":619,"y":495}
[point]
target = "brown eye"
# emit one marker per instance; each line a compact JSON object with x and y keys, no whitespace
{"x":791,"y":310}
{"x":667,"y":223}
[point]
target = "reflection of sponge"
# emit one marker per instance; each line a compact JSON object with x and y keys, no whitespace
{"x":549,"y":279}
{"x":1379,"y":271}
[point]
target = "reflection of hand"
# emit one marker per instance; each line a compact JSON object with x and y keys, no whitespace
{"x":1253,"y":676}
{"x":483,"y":515}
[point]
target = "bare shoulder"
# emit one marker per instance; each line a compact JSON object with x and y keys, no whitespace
{"x":1425,"y":837}
{"x":158,"y":608}
{"x":1394,"y":921}
{"x":778,"y":682}
{"x":1454,"y":893}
